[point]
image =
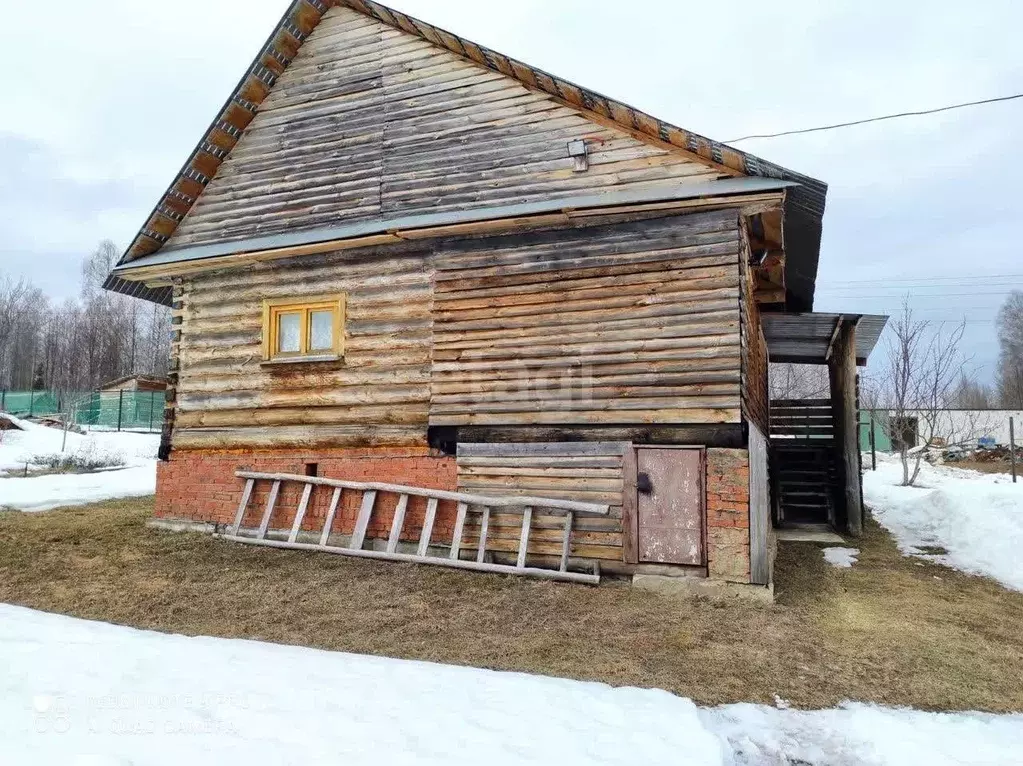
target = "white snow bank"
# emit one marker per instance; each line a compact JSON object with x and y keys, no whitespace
{"x":114,"y":695}
{"x":77,"y":692}
{"x":38,"y":493}
{"x":866,"y":735}
{"x":976,"y":517}
{"x":843,"y":558}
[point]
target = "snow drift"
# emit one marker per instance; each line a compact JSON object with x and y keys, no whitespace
{"x":31,"y":445}
{"x":976,"y":518}
{"x":78,"y":692}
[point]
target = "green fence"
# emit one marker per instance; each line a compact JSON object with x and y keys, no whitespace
{"x":29,"y":402}
{"x":117,"y":410}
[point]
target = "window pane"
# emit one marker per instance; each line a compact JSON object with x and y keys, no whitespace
{"x":289,"y":333}
{"x":321,"y":330}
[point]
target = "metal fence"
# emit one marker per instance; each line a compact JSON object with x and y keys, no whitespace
{"x":115,"y":410}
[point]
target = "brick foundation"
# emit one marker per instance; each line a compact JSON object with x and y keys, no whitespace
{"x":728,"y":515}
{"x":200,"y":485}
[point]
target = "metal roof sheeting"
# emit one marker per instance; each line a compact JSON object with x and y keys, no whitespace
{"x":721,"y":188}
{"x":806,"y":338}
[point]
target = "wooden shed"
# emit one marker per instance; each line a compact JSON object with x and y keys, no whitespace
{"x":413,"y":280}
{"x":135,"y":383}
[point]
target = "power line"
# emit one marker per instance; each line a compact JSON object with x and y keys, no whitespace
{"x":878,"y":119}
{"x":914,"y":286}
{"x":907,"y":280}
{"x":912,"y":295}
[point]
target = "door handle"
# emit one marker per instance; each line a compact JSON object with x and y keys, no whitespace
{"x":643,"y":484}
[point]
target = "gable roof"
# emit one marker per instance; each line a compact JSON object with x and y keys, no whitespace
{"x":804,"y":202}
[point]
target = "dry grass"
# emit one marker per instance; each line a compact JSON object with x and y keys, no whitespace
{"x":987,"y":466}
{"x":890,"y":630}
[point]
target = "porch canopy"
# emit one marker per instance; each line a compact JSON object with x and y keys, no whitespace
{"x":810,"y":338}
{"x":842,"y":342}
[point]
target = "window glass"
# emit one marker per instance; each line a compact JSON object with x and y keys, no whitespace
{"x":289,"y":333}
{"x":321,"y":330}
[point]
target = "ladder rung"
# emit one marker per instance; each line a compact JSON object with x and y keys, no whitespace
{"x":271,"y":501}
{"x":456,"y":538}
{"x":243,"y":506}
{"x":362,"y":522}
{"x":566,"y":546}
{"x":335,"y":501}
{"x":300,"y":514}
{"x":397,"y":524}
{"x":527,"y":520}
{"x":481,"y":550}
{"x":431,"y":515}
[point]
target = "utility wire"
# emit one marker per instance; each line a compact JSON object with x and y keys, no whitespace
{"x":877,"y":119}
{"x":914,"y":295}
{"x":914,"y":280}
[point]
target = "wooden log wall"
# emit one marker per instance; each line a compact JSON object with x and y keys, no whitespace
{"x":755,"y":391}
{"x":369,"y":120}
{"x":589,"y":472}
{"x":632,"y":324}
{"x":378,"y":395}
{"x":627,"y":324}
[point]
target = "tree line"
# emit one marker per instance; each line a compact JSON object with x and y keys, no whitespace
{"x":81,"y":343}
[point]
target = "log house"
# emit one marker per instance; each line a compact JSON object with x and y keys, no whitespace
{"x":398,"y":256}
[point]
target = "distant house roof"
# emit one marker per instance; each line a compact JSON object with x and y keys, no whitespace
{"x":805,"y":201}
{"x":141,"y":381}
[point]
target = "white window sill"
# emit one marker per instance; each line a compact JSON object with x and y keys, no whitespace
{"x":284,"y":360}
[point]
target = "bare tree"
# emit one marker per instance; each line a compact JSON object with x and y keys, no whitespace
{"x":79,"y":344}
{"x":971,"y":394}
{"x":1010,"y":358}
{"x":916,"y":386}
{"x":799,"y":381}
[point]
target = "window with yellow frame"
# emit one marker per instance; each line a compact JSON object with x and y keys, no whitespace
{"x":304,"y":328}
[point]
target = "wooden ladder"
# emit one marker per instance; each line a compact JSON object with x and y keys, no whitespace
{"x":450,"y":557}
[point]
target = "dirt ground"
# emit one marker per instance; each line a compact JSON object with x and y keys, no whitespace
{"x":891,"y":630}
{"x":986,"y":466}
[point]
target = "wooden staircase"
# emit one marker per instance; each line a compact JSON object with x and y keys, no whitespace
{"x":804,"y":478}
{"x":451,"y":553}
{"x":804,"y":473}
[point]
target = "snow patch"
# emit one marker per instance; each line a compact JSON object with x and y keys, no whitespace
{"x":843,"y":558}
{"x":128,"y":696}
{"x":88,"y":692}
{"x":33,"y":443}
{"x":865,"y":735}
{"x":976,"y":519}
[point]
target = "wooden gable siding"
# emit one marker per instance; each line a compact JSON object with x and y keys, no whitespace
{"x":754,"y":346}
{"x":632,"y":323}
{"x":589,"y":472}
{"x":379,"y":395}
{"x":370,"y":120}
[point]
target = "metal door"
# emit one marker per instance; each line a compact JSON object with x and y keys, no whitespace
{"x":670,"y":505}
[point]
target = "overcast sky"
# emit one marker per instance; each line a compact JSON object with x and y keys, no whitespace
{"x":104,"y":101}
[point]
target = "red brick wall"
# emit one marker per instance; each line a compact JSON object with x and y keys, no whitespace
{"x":728,"y":514}
{"x":200,"y":485}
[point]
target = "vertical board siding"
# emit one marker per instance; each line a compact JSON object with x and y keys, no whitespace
{"x":759,"y":508}
{"x":370,"y":120}
{"x":377,"y":395}
{"x":589,"y":472}
{"x":755,"y":397}
{"x":624,"y":324}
